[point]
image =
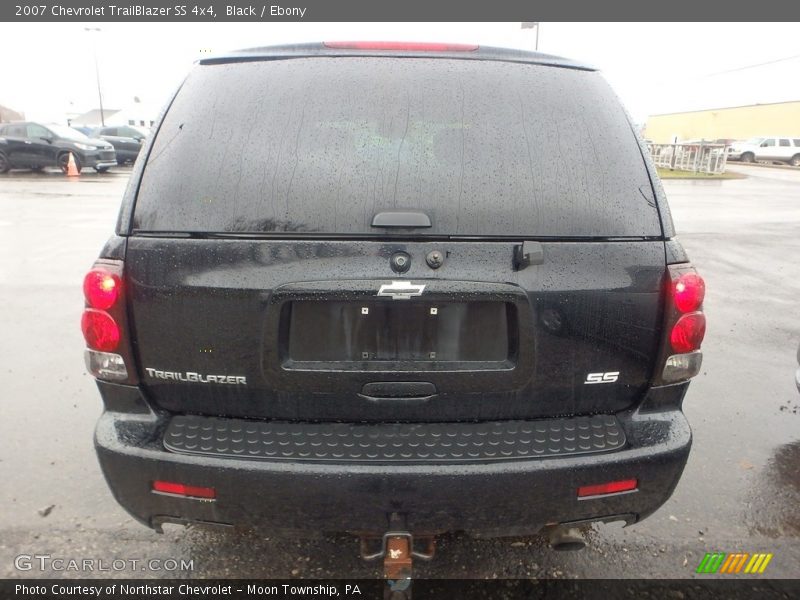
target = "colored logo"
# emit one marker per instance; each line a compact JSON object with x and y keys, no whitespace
{"x":740,"y":562}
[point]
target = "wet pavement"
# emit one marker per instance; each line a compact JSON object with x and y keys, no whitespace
{"x":740,"y":491}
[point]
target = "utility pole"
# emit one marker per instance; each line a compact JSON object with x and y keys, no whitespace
{"x":532,"y":25}
{"x":97,"y":71}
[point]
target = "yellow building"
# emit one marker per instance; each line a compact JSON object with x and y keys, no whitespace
{"x":736,"y":123}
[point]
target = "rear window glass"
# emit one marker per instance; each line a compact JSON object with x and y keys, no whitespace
{"x":322,"y":144}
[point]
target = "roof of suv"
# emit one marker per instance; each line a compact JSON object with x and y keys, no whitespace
{"x":398,"y":49}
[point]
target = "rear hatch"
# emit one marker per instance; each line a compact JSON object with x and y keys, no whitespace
{"x":261,"y":284}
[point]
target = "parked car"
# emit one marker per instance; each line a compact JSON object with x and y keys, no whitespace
{"x":772,"y":149}
{"x":127,"y":141}
{"x":28,"y":145}
{"x":397,"y":307}
{"x":83,"y":129}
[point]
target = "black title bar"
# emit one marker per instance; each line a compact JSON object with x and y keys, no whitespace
{"x":528,"y":11}
{"x":743,"y":588}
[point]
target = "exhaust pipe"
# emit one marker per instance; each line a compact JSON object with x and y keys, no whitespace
{"x":564,"y":538}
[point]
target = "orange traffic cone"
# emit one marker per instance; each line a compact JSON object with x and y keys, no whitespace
{"x":72,"y":168}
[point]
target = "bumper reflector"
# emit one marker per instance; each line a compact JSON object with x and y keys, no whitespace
{"x":680,"y":367}
{"x":180,"y":489}
{"x":612,"y":487}
{"x":105,"y":365}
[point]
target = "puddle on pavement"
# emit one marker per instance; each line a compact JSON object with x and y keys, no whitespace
{"x":772,"y":509}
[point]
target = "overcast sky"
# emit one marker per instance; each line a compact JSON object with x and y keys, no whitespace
{"x":48,"y":70}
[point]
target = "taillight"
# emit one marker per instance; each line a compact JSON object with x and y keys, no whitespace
{"x":104,"y":324}
{"x":101,"y":288}
{"x":685,"y":323}
{"x":402,"y":46}
{"x":100,"y":331}
{"x":688,"y":292}
{"x":687,"y":334}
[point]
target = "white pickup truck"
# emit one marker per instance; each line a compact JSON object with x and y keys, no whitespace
{"x":771,"y":149}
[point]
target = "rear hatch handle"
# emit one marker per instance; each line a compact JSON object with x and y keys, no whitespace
{"x":398,"y":391}
{"x":408,"y":219}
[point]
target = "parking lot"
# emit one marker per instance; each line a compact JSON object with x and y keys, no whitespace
{"x":739,"y":493}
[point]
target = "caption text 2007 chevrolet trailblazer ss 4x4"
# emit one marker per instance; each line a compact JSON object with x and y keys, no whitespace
{"x":378,"y":287}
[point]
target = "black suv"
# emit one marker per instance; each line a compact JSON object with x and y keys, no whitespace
{"x":357,"y":284}
{"x":127,"y":141}
{"x":27,"y":145}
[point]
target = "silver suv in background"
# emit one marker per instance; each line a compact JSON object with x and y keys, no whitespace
{"x":783,"y":149}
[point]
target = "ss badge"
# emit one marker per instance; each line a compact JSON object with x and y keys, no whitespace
{"x":609,"y":377}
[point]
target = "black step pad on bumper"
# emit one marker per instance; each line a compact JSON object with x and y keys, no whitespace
{"x":393,"y":442}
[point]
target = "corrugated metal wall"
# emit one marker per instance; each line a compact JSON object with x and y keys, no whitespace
{"x":742,"y":122}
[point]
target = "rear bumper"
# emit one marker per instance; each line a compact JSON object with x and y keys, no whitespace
{"x":105,"y":164}
{"x":127,"y":154}
{"x":489,"y":498}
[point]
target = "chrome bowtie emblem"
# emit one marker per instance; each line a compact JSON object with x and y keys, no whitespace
{"x":401,"y":290}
